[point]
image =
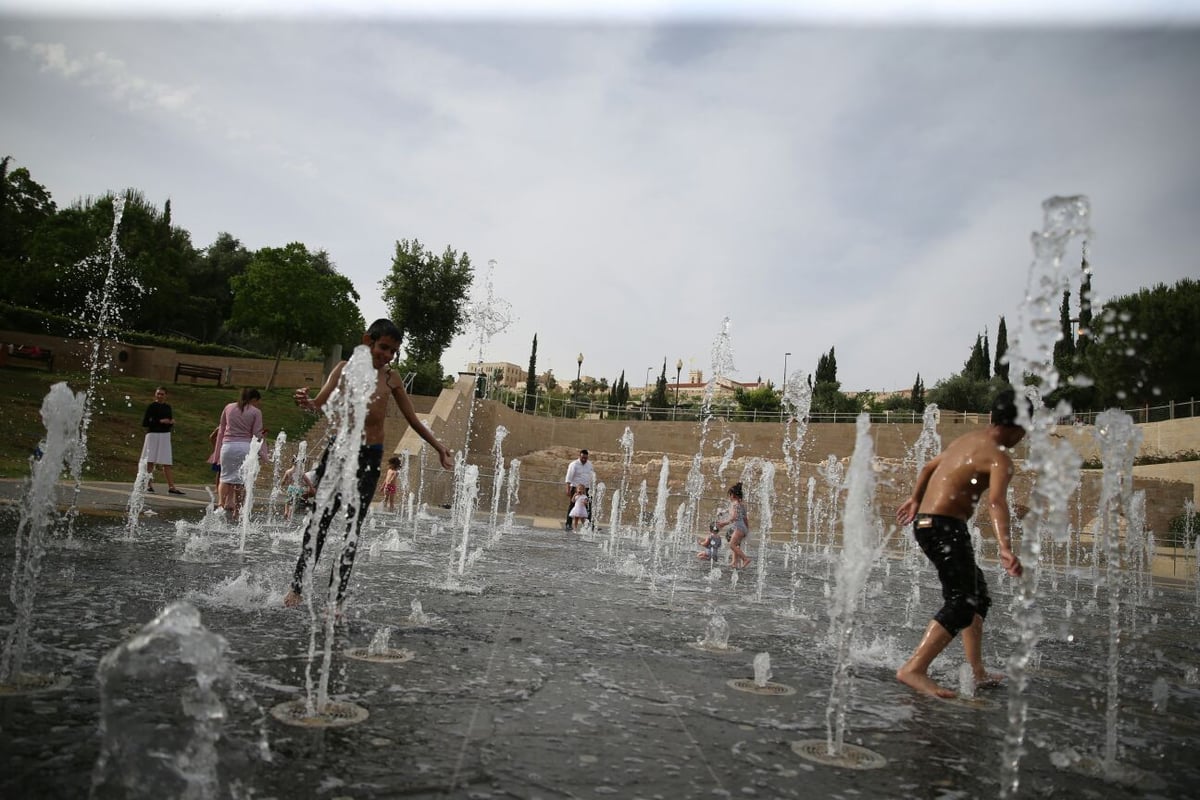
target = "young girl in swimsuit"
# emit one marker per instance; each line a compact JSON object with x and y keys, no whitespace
{"x":389,"y":483}
{"x":737,"y":518}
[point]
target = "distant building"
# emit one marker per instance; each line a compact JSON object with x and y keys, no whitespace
{"x":511,"y":375}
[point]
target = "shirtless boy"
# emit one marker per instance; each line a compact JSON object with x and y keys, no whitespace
{"x":942,"y":501}
{"x":383,"y":337}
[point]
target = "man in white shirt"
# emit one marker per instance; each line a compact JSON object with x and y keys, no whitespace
{"x":579,"y":473}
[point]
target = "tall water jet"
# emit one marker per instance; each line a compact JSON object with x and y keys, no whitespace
{"x":487,"y":315}
{"x":1032,"y":354}
{"x":861,"y":542}
{"x":797,"y":403}
{"x":498,"y":478}
{"x":249,"y":474}
{"x":106,"y":306}
{"x":467,"y":499}
{"x":276,"y":472}
{"x":61,"y":413}
{"x":722,"y":365}
{"x":512,"y":494}
{"x":1119,"y":441}
{"x":337,"y":496}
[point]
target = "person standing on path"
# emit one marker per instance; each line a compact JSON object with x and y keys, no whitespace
{"x":158,"y":421}
{"x":579,"y":473}
{"x":942,"y":501}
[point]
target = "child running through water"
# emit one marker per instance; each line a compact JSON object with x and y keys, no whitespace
{"x":383,"y":337}
{"x":579,"y":511}
{"x":389,"y":483}
{"x":737,"y":518}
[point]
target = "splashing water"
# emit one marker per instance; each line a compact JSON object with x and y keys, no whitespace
{"x":277,"y":466}
{"x":249,"y":474}
{"x":498,"y":480}
{"x":1032,"y":354}
{"x":762,"y":669}
{"x":61,"y":413}
{"x":337,"y":491}
{"x":106,"y":308}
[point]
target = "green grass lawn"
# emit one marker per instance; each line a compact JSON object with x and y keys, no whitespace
{"x":115,"y":433}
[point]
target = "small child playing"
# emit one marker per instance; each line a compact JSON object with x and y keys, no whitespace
{"x":389,"y":483}
{"x":299,"y":490}
{"x":711,"y":544}
{"x":579,"y":512}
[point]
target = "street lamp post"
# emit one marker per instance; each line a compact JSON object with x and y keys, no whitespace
{"x":646,"y":395}
{"x":785,"y":357}
{"x":578,"y":370}
{"x":678,"y":369}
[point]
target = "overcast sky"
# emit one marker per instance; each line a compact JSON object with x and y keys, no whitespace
{"x":637,"y":177}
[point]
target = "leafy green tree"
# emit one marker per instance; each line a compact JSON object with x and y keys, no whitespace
{"x":964,"y":392}
{"x":1145,"y":347}
{"x":25,"y":206}
{"x":764,"y":398}
{"x":531,"y":377}
{"x":426,"y":296}
{"x":917,"y":396}
{"x":290,"y":296}
{"x":209,"y":287}
{"x":1001,"y":369}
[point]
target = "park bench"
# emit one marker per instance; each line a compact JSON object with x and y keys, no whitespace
{"x":31,"y":352}
{"x":199,"y":371}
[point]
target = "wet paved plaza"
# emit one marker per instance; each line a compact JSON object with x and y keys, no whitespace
{"x":553,"y":668}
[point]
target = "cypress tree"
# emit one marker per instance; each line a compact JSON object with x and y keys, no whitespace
{"x":531,"y":378}
{"x":1001,"y":369}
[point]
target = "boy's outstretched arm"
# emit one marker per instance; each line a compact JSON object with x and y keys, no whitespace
{"x":315,"y":404}
{"x":406,"y":408}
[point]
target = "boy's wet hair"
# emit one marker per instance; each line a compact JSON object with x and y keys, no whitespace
{"x":1004,"y":409}
{"x":383,"y":327}
{"x":394,"y":461}
{"x":736,"y":490}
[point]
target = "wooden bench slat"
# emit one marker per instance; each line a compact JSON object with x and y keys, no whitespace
{"x":199,"y":371}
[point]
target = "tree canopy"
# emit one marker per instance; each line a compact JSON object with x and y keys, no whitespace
{"x":426,"y":297}
{"x":290,"y":296}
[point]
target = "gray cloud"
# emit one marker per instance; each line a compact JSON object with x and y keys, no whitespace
{"x":871,"y":189}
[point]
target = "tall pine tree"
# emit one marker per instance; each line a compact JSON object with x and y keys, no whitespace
{"x":1001,"y":369}
{"x":531,"y":377}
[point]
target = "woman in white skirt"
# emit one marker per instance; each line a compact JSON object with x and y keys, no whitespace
{"x":156,"y":450}
{"x":240,"y":422}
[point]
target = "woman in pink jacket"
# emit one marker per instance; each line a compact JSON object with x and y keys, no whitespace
{"x":240,"y":422}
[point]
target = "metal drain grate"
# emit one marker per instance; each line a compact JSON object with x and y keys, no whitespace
{"x":26,"y":683}
{"x":769,"y":689}
{"x":386,"y":657}
{"x":851,"y":756}
{"x":708,"y":648}
{"x":333,"y":715}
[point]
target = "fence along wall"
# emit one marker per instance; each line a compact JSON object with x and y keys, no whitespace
{"x":545,"y":445}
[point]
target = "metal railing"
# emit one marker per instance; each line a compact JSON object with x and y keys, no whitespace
{"x":582,"y":408}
